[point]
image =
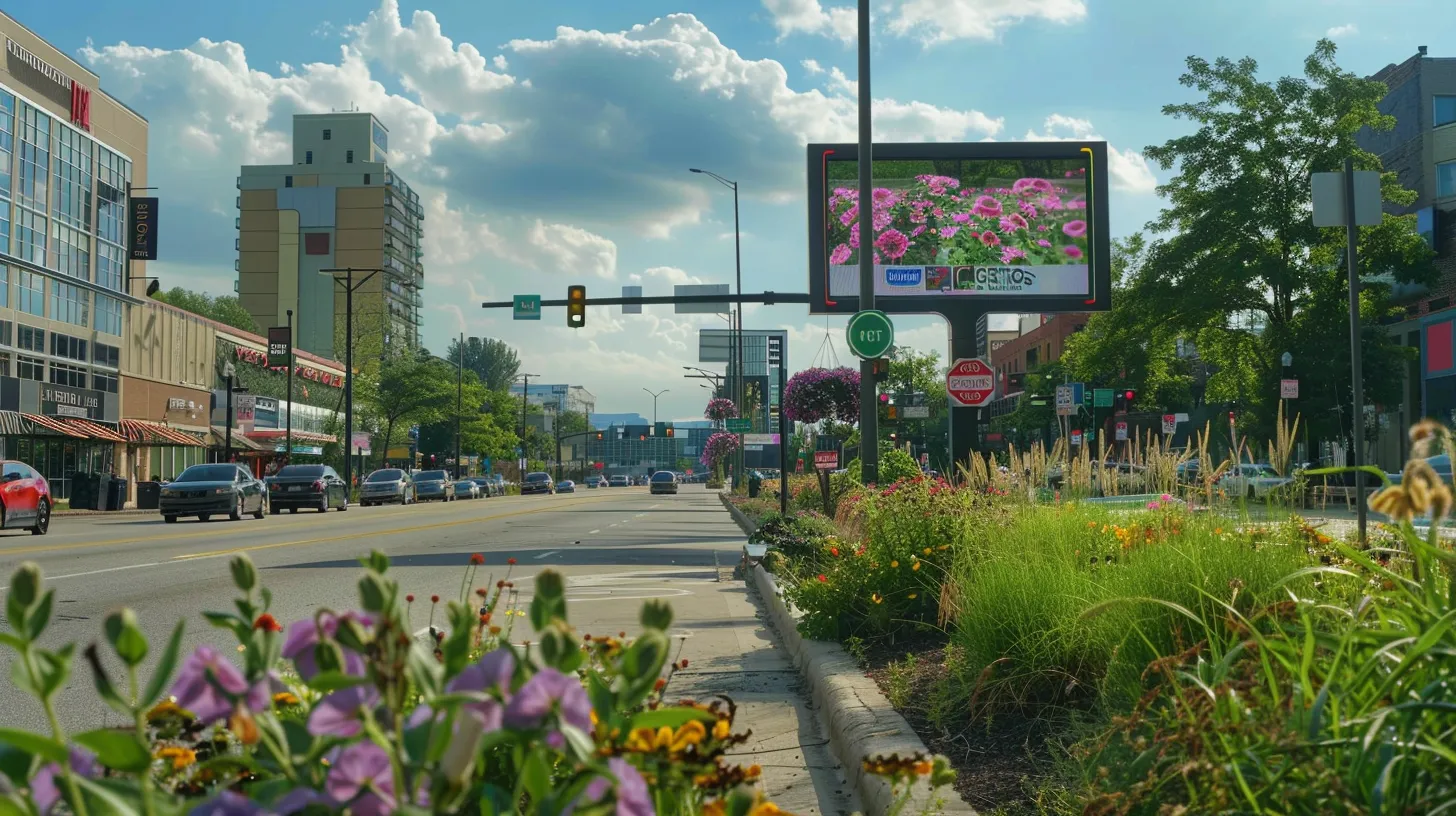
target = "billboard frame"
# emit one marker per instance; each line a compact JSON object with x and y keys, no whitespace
{"x":957,"y":309}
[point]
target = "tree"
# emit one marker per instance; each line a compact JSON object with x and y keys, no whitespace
{"x":913,"y":372}
{"x":481,"y":431}
{"x":416,"y":388}
{"x":225,"y":309}
{"x":494,"y":362}
{"x":1029,"y":423}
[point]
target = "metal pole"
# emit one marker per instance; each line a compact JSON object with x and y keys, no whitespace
{"x":227,"y":445}
{"x":288,"y":423}
{"x":349,"y":379}
{"x":459,"y":398}
{"x":525,"y":389}
{"x":1352,"y":234}
{"x":783,"y":444}
{"x":741,"y":396}
{"x":869,"y":453}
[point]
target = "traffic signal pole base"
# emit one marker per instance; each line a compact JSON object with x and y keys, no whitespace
{"x":965,"y":423}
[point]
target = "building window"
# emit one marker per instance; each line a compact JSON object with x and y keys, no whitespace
{"x":113,"y":173}
{"x":4,"y":286}
{"x":381,"y":137}
{"x":348,"y":157}
{"x":366,"y":179}
{"x":315,"y":243}
{"x":64,"y":345}
{"x":70,"y":303}
{"x":30,"y":368}
{"x":62,"y":374}
{"x":328,"y":134}
{"x":30,"y":338}
{"x":35,"y":157}
{"x":70,"y":248}
{"x":7,"y":333}
{"x":108,"y":315}
{"x":7,"y":143}
{"x":5,"y":364}
{"x":104,"y":381}
{"x":1446,"y":179}
{"x":1444,"y":110}
{"x":288,"y":181}
{"x":110,"y":265}
{"x":71,"y":187}
{"x":109,"y":356}
{"x":32,"y":293}
{"x":30,"y":236}
{"x":308,"y":157}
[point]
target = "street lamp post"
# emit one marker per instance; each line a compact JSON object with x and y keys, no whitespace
{"x":288,"y":420}
{"x":349,"y":288}
{"x":525,"y":390}
{"x":655,"y":443}
{"x":737,"y":380}
{"x":459,"y":394}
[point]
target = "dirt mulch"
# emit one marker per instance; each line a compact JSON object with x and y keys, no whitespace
{"x":998,"y":764}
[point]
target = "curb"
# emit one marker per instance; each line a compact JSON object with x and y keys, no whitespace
{"x":744,"y":522}
{"x":128,"y":511}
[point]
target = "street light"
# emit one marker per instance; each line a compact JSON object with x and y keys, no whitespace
{"x":349,"y":287}
{"x":655,"y":395}
{"x":738,"y":328}
{"x":525,"y":391}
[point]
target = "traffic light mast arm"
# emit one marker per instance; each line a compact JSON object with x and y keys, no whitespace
{"x":760,"y":297}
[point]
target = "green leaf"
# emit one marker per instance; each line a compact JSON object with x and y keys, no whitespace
{"x":126,"y":637}
{"x":25,"y":584}
{"x":104,"y":686}
{"x":325,"y":682}
{"x":20,"y":678}
{"x":245,"y":575}
{"x":580,"y":742}
{"x":10,"y":806}
{"x":15,"y":614}
{"x":223,"y":620}
{"x":116,"y":749}
{"x":102,"y":797}
{"x":165,"y":666}
{"x":12,"y":641}
{"x":674,"y":717}
{"x":371,"y":593}
{"x":15,"y":763}
{"x":44,"y":747}
{"x":40,"y":616}
{"x":54,"y":668}
{"x":656,"y":615}
{"x":536,"y":776}
{"x":495,"y":800}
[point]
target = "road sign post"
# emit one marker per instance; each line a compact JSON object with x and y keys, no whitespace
{"x":870,"y":334}
{"x":526,"y":307}
{"x":826,"y":460}
{"x":1066,"y":401}
{"x":739,"y":425}
{"x":970,"y":383}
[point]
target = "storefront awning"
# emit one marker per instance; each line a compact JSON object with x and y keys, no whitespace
{"x":94,"y":430}
{"x":240,"y":441}
{"x":12,"y":423}
{"x":305,"y":437}
{"x":142,"y":432}
{"x":53,"y":426}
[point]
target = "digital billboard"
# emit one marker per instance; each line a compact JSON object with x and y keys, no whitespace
{"x":963,"y":228}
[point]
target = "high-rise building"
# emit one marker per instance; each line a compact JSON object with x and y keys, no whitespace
{"x":564,"y":397}
{"x":765,"y":354}
{"x":338,"y":205}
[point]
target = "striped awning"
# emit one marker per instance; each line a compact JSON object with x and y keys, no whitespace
{"x":142,"y":432}
{"x":94,"y":430}
{"x":12,"y":423}
{"x":240,"y":441}
{"x":53,"y":426}
{"x":306,"y":437}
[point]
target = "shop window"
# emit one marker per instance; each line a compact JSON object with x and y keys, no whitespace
{"x":72,"y":348}
{"x":30,"y":338}
{"x":105,"y":355}
{"x":30,"y":368}
{"x":104,"y":381}
{"x":62,"y":374}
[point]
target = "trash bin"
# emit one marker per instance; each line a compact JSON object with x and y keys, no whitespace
{"x":149,"y":495}
{"x":755,"y":482}
{"x":83,"y":491}
{"x":102,"y":482}
{"x":115,"y":493}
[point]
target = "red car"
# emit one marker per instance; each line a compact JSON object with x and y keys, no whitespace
{"x":25,"y":498}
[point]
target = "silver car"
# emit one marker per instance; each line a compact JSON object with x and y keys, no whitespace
{"x":467,"y":489}
{"x":434,"y":484}
{"x":387,"y":486}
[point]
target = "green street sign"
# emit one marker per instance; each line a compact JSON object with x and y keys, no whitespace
{"x":870,"y":334}
{"x":526,"y":307}
{"x":1102,"y":398}
{"x":740,"y":425}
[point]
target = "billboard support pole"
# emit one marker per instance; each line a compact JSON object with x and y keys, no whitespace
{"x":869,"y":449}
{"x":964,"y":422}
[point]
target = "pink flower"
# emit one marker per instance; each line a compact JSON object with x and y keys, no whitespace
{"x":987,"y":206}
{"x":1165,"y":497}
{"x":1042,"y":242}
{"x":1042,"y":227}
{"x":854,"y":235}
{"x":1011,"y":253}
{"x":1152,"y":505}
{"x":840,"y":255}
{"x":1051,"y":202}
{"x":961,"y":218}
{"x":916,"y":232}
{"x":1075,"y":229}
{"x":1027,"y":209}
{"x":1072,"y":252}
{"x":989,"y":238}
{"x":1077,"y":204}
{"x":949,"y":232}
{"x":849,"y":216}
{"x":884,"y":197}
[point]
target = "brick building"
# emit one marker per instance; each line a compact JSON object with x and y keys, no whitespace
{"x":1015,"y":357}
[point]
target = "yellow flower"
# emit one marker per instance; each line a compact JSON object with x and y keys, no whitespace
{"x":914,"y":595}
{"x":285,"y":698}
{"x":1091,"y":524}
{"x":715,"y":808}
{"x":928,"y":551}
{"x":690,"y":734}
{"x":1218,"y":531}
{"x":894,"y":565}
{"x":943,"y":547}
{"x":923,"y":768}
{"x":915,"y":567}
{"x":179,"y":756}
{"x":164,"y":709}
{"x":876,"y":598}
{"x":722,"y":729}
{"x":765,"y":809}
{"x":594,"y":719}
{"x":752,"y":772}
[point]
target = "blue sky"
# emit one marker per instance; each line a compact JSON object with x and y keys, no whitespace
{"x":553,"y":148}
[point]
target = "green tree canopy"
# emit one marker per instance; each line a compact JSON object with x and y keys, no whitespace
{"x":493,"y":361}
{"x":225,"y":309}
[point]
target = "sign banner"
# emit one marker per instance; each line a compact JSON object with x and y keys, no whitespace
{"x":1289,"y":389}
{"x":964,"y":281}
{"x":243,"y":407}
{"x":1121,"y":428}
{"x":1066,"y":404}
{"x":1077,"y":438}
{"x":65,"y":401}
{"x":760,"y":439}
{"x":142,"y":215}
{"x":280,"y":346}
{"x":1170,"y":423}
{"x":916,"y":412}
{"x":826,"y":460}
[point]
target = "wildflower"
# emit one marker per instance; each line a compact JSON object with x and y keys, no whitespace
{"x":943,"y":547}
{"x":434,"y":599}
{"x":491,"y":672}
{"x":634,"y":798}
{"x":179,"y":756}
{"x":823,"y":579}
{"x":285,"y":698}
{"x":834,"y":551}
{"x":876,"y":598}
{"x":987,"y":207}
{"x":914,"y":595}
{"x":163,"y":710}
{"x":228,"y":803}
{"x":722,"y":729}
{"x":208,"y":686}
{"x":915,"y":567}
{"x":1072,"y":252}
{"x":928,"y":551}
{"x":1152,"y":505}
{"x":990,"y":239}
{"x":476,"y":559}
{"x":1165,"y":498}
{"x":511,"y":561}
{"x":362,"y":778}
{"x":341,"y":713}
{"x":303,"y":638}
{"x":893,"y":243}
{"x":894,"y":565}
{"x":840,"y":255}
{"x":45,"y":791}
{"x":410,"y":598}
{"x":267,"y":623}
{"x":1043,"y":243}
{"x":1075,"y":229}
{"x":1012,"y":254}
{"x":549,"y":690}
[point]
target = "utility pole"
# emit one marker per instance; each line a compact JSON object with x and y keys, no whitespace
{"x":227,"y":445}
{"x":1357,"y":377}
{"x":736,"y":322}
{"x":459,"y":396}
{"x":655,"y":394}
{"x":288,"y":422}
{"x":869,"y":449}
{"x":349,"y":287}
{"x":525,"y":391}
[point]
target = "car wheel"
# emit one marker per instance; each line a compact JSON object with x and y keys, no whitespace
{"x":204,"y":517}
{"x":169,"y":519}
{"x":42,"y":518}
{"x":293,"y":509}
{"x":262,"y":507}
{"x":324,"y":504}
{"x":236,"y":514}
{"x":345,"y":505}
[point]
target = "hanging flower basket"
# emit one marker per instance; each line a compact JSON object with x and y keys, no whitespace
{"x":823,"y":393}
{"x":720,"y":409}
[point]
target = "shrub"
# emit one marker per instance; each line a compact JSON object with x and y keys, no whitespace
{"x":895,"y":465}
{"x":796,"y":536}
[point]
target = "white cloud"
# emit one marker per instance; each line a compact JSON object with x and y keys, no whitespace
{"x":1128,"y":169}
{"x":1347,"y":30}
{"x":812,"y":66}
{"x":810,"y":17}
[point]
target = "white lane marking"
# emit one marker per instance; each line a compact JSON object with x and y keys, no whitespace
{"x":547,"y":554}
{"x":115,"y":569}
{"x":594,"y":532}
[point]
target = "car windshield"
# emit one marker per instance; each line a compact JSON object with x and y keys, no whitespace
{"x":300,"y":472}
{"x":209,"y":473}
{"x":431,"y":476}
{"x":663,"y":476}
{"x":538,"y":477}
{"x":385,"y":476}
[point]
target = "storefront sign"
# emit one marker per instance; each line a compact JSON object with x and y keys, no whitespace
{"x":243,"y":408}
{"x":180,"y":404}
{"x":142,"y":213}
{"x":65,"y":401}
{"x":80,"y":94}
{"x":280,"y":346}
{"x":307,"y":372}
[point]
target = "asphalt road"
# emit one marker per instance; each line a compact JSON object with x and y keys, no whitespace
{"x":617,"y":547}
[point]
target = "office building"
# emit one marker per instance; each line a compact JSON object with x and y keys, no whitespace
{"x":337,"y":205}
{"x":765,"y":352}
{"x":562,"y":397}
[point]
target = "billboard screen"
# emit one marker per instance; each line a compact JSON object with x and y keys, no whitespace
{"x":963,"y":228}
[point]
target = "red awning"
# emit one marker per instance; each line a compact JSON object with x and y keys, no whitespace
{"x":94,"y":430}
{"x":307,"y":437}
{"x":56,"y":426}
{"x":142,"y":432}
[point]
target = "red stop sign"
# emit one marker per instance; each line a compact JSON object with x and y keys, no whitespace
{"x":970,"y":383}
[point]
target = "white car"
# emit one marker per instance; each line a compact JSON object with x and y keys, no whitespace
{"x":1251,"y":481}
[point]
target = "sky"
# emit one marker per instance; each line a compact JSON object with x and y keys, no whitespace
{"x":551,"y":141}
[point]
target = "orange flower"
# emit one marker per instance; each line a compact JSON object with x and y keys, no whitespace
{"x":823,"y":579}
{"x":477,"y":559}
{"x":267,"y":623}
{"x":511,"y":561}
{"x":834,"y":551}
{"x":876,"y":598}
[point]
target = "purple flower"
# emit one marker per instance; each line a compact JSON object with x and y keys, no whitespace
{"x":1075,"y":229}
{"x":548,"y":690}
{"x":208,"y":686}
{"x":1027,"y":209}
{"x":854,"y":236}
{"x":1043,"y":243}
{"x":1051,"y":202}
{"x":840,"y":255}
{"x":228,"y":803}
{"x":884,"y":197}
{"x":990,"y":239}
{"x":341,"y":714}
{"x":362,"y":778}
{"x":987,"y":206}
{"x":949,"y":232}
{"x":961,"y":218}
{"x":1011,"y":253}
{"x":633,"y":796}
{"x":1072,"y":252}
{"x":494,"y":671}
{"x":894,"y":243}
{"x":303,"y":638}
{"x":45,"y":788}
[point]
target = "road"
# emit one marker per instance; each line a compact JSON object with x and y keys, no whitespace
{"x":617,"y":547}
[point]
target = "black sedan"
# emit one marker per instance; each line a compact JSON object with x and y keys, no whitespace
{"x":213,"y":490}
{"x":315,"y":486}
{"x":537,"y":483}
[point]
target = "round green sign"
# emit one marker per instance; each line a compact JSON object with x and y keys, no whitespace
{"x":870,"y":334}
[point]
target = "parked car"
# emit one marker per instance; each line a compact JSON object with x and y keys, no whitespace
{"x":620,"y":481}
{"x":537,"y":483}
{"x":387,"y":486}
{"x":212,"y":490}
{"x":25,"y":498}
{"x":1251,"y":481}
{"x":566,"y":486}
{"x":315,"y":486}
{"x":663,"y":481}
{"x":467,"y":489}
{"x":591,"y":482}
{"x":1441,"y":464}
{"x":434,"y":484}
{"x":487,"y":487}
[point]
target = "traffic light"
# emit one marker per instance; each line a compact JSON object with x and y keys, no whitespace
{"x":669,"y":432}
{"x":1129,"y":396}
{"x":576,"y":306}
{"x":599,"y":436}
